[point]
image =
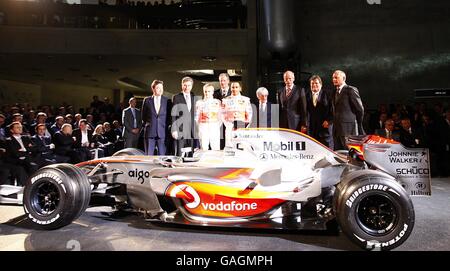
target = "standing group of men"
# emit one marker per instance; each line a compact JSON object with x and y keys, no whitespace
{"x":327,"y":116}
{"x":207,"y":122}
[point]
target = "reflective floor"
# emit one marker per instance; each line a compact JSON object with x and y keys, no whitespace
{"x":101,"y":229}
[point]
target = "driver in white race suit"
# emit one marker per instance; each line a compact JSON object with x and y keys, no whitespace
{"x":208,"y":115}
{"x":237,"y":112}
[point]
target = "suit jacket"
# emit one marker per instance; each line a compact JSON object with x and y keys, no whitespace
{"x":395,"y":135}
{"x":260,"y":116}
{"x":184,"y":126}
{"x":323,"y":111}
{"x":156,"y":124}
{"x":218,"y":94}
{"x":409,"y":139}
{"x":128,"y":121}
{"x":348,"y":107}
{"x":13,"y":146}
{"x":42,"y":146}
{"x":77,"y":134}
{"x":63,"y":143}
{"x":292,"y":108}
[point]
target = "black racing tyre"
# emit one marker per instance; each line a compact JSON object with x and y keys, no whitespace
{"x":56,"y":195}
{"x":374,"y":212}
{"x":129,"y":151}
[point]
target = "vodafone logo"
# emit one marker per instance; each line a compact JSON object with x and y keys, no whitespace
{"x":187,"y":193}
{"x":192,"y":199}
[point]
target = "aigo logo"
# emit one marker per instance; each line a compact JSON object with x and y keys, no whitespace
{"x":187,"y":193}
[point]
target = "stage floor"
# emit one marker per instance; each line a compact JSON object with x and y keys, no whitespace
{"x":100,"y":229}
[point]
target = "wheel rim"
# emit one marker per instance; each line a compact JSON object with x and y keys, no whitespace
{"x":46,"y":198}
{"x":377,"y":214}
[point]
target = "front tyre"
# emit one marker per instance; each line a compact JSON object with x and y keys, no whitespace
{"x":56,"y":195}
{"x":375,"y":213}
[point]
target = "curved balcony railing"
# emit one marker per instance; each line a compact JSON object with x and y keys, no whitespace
{"x":136,"y":15}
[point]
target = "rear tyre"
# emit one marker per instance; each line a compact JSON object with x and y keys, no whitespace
{"x":56,"y":195}
{"x":129,"y":151}
{"x":374,"y":212}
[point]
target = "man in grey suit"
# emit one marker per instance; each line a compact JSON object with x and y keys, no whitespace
{"x":292,"y":100}
{"x":348,"y":111}
{"x":132,"y":123}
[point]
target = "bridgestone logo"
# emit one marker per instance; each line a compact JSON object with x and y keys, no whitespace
{"x":233,"y":206}
{"x":363,"y":189}
{"x":50,"y":176}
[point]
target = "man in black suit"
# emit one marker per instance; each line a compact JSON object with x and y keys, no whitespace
{"x":388,"y":131}
{"x":348,"y":111}
{"x":292,"y":102}
{"x":64,"y":144}
{"x":156,"y":118}
{"x":224,"y":90}
{"x":83,"y":140}
{"x":183,"y":125}
{"x":409,"y":136}
{"x":264,"y":116}
{"x":45,"y":147}
{"x":219,"y":94}
{"x":320,"y":111}
{"x":132,"y":124}
{"x":20,"y":150}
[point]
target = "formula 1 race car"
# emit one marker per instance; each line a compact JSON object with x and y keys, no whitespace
{"x":271,"y":178}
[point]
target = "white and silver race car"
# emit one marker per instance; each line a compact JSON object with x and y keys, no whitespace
{"x":272,"y":178}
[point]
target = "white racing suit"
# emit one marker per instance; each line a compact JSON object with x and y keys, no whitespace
{"x":208,"y":115}
{"x":237,"y":113}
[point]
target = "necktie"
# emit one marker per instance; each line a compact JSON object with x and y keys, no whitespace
{"x":288,"y":92}
{"x":187,"y":97}
{"x":134,"y":117}
{"x":315,"y":99}
{"x":389,"y":134}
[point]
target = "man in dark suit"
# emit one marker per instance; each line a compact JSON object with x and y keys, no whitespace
{"x":132,"y":124}
{"x":64,"y":144}
{"x":409,"y":136}
{"x":156,"y":119}
{"x":348,"y":111}
{"x":219,"y":94}
{"x":20,"y":150}
{"x":45,"y":147}
{"x":388,"y":131}
{"x":320,"y":111}
{"x":183,"y":125}
{"x":224,"y":90}
{"x":264,"y":116}
{"x":83,"y":140}
{"x":292,"y":102}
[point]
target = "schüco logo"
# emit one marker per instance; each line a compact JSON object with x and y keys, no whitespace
{"x":285,"y":146}
{"x":193,"y":201}
{"x":139,"y":174}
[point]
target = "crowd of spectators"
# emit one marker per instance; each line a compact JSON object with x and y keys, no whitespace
{"x":34,"y":137}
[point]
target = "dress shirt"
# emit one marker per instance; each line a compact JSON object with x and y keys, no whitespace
{"x":19,"y":139}
{"x":187,"y":97}
{"x":157,"y":101}
{"x":84,"y":138}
